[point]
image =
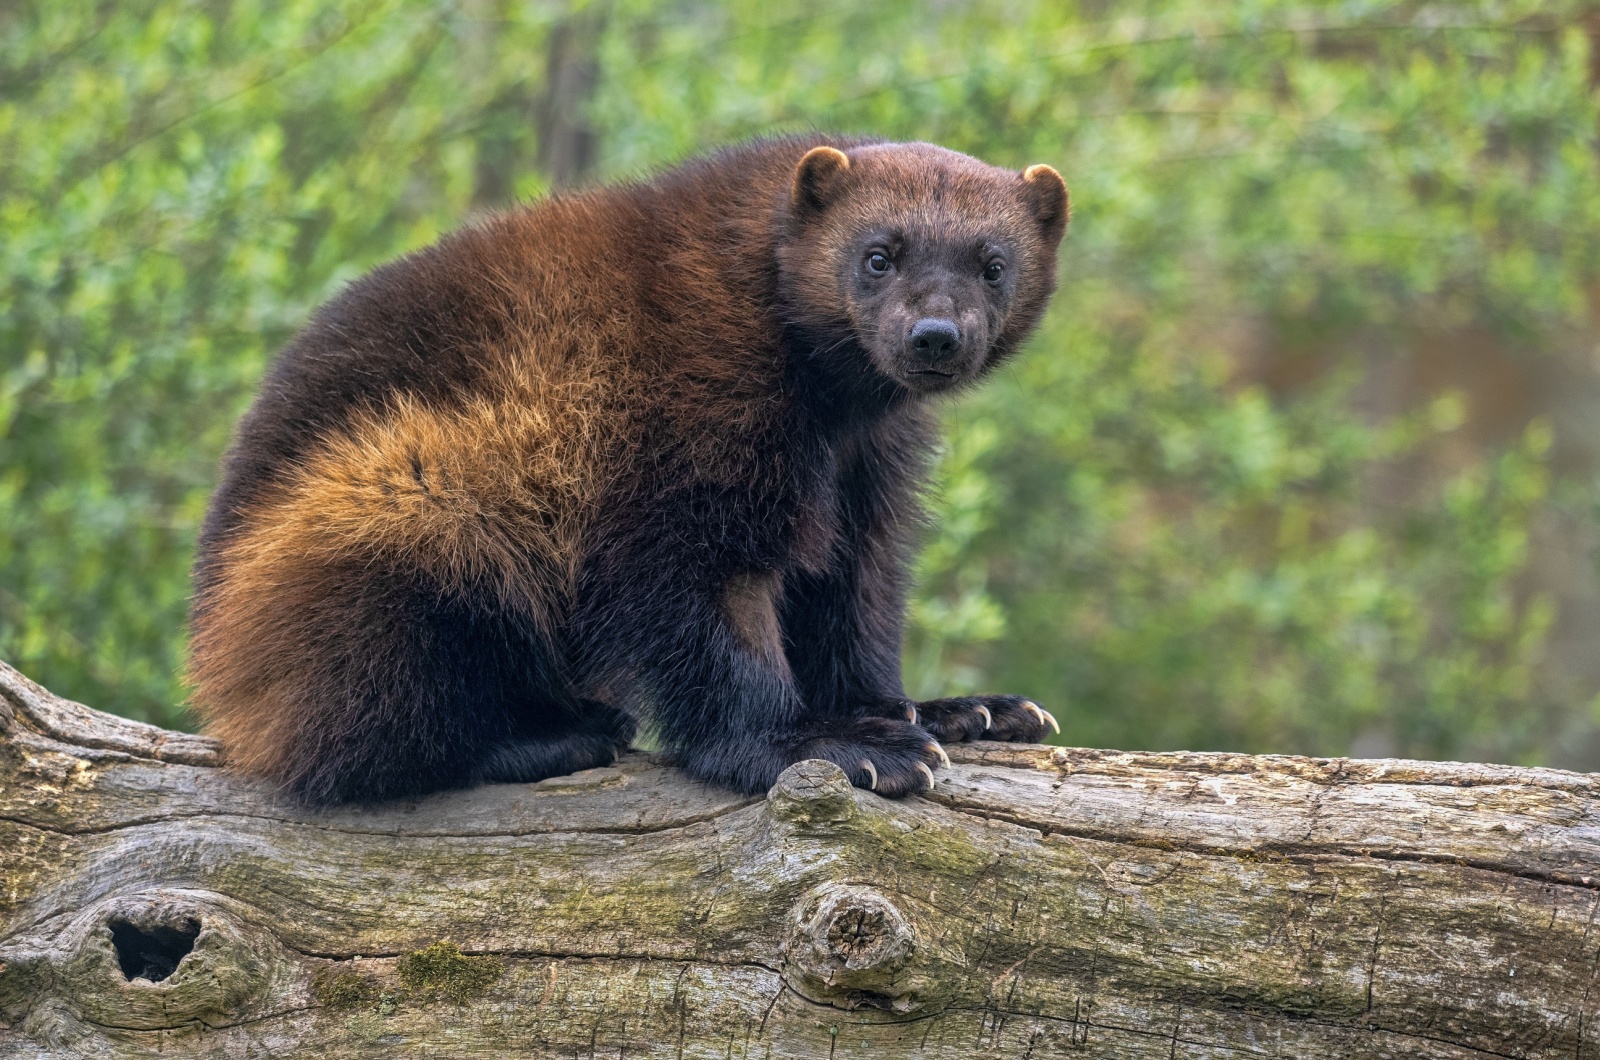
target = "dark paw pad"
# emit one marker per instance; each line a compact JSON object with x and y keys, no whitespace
{"x":1010,"y":718}
{"x":887,"y":755}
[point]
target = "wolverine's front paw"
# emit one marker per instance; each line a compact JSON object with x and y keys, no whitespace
{"x":986,"y":718}
{"x":887,"y":755}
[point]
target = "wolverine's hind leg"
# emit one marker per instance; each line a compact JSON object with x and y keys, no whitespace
{"x":380,"y":623}
{"x":344,"y":681}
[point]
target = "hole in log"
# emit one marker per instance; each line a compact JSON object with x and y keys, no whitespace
{"x":152,"y":953}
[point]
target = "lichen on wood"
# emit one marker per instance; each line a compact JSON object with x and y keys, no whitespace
{"x":1040,"y":902}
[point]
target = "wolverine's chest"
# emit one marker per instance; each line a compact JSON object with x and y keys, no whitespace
{"x":838,"y":490}
{"x":784,"y":508}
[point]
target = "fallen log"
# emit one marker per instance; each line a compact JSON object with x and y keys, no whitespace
{"x":1041,"y":902}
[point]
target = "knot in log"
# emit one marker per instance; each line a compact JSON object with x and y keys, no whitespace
{"x":813,"y":792}
{"x":847,"y":945}
{"x":140,"y":961}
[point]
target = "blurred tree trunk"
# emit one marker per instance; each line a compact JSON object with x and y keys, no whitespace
{"x":1042,"y":902}
{"x":540,"y":123}
{"x":568,"y":143}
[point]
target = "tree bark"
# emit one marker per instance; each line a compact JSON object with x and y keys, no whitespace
{"x":1041,"y":902}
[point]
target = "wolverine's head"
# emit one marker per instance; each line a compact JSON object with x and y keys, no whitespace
{"x":935,"y":264}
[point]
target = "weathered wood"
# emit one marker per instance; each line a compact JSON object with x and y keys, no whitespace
{"x":1042,"y":902}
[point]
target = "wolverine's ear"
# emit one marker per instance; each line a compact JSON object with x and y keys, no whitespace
{"x":816,"y":178}
{"x":1046,"y":194}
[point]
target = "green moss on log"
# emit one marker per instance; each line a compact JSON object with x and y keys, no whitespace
{"x":340,"y":988}
{"x":443,"y":971}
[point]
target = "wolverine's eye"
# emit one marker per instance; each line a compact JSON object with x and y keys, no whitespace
{"x":878,"y":263}
{"x":995,"y":270}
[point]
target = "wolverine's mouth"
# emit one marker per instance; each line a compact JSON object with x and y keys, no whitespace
{"x":929,"y":380}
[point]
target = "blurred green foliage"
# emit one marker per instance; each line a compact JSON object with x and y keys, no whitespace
{"x":1135,"y":523}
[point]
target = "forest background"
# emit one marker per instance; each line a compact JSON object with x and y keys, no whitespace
{"x":1306,"y":457}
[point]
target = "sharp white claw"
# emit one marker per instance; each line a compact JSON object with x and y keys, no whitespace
{"x":915,"y":718}
{"x":944,"y":759}
{"x":1044,"y":716}
{"x":988,"y":719}
{"x":927,"y":773}
{"x":872,"y":771}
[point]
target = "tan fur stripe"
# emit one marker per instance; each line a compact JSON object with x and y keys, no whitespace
{"x":750,"y":600}
{"x":492,"y":494}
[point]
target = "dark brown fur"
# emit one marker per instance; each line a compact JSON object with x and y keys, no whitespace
{"x":645,"y":453}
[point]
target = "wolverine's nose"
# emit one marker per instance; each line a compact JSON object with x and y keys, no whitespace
{"x":933,"y":339}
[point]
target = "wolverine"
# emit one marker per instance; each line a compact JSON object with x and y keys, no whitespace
{"x":640,"y":455}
